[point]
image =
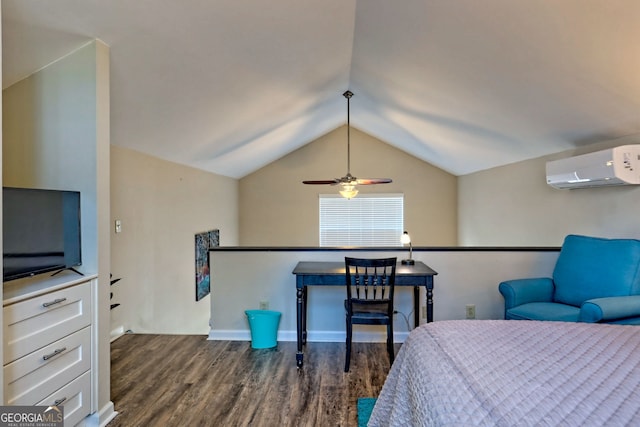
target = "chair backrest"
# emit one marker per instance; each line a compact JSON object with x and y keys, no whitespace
{"x":370,"y":279}
{"x":593,"y":267}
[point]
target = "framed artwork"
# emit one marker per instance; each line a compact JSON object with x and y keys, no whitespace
{"x":204,"y":242}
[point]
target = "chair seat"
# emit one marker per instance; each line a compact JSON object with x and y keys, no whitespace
{"x":368,"y":313}
{"x":544,"y":311}
{"x":377,"y":307}
{"x":370,"y":318}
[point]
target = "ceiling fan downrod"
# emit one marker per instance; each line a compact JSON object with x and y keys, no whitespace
{"x":348,"y":94}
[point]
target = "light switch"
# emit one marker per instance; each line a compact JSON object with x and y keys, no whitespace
{"x":118,"y":226}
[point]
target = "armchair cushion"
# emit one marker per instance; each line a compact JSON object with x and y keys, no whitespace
{"x":544,"y":311}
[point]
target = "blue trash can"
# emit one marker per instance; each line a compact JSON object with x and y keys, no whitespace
{"x":264,"y":327}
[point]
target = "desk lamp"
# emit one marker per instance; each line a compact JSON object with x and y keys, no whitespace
{"x":404,"y":239}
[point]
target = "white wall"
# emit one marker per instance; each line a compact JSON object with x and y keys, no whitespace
{"x":241,"y":279}
{"x":162,"y":205}
{"x":513,"y":206}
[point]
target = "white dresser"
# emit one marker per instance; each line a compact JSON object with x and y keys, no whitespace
{"x":48,"y":328}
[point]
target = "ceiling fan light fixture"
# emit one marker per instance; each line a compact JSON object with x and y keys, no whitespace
{"x":348,"y":182}
{"x":348,"y":191}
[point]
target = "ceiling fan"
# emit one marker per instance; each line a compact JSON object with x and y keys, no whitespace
{"x":349,"y":182}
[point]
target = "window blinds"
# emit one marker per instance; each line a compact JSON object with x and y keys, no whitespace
{"x":368,"y":220}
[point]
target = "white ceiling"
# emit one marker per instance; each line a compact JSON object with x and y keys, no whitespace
{"x":229,"y":86}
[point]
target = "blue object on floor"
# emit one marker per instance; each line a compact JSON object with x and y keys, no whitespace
{"x":365,"y":406}
{"x":264,"y":327}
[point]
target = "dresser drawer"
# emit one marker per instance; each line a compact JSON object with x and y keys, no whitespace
{"x":31,"y":378}
{"x":75,"y":397}
{"x":36,"y":322}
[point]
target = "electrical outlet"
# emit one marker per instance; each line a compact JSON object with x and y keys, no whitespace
{"x":264,"y":305}
{"x":470,"y":309}
{"x":424,"y":311}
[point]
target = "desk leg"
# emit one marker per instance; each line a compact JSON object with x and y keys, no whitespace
{"x":299,"y":323}
{"x":429,"y":303}
{"x":304,"y":315}
{"x":416,"y":306}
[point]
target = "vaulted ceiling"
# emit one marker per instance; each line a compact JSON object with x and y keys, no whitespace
{"x":229,"y":86}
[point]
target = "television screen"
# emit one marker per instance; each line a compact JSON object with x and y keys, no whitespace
{"x":41,"y":231}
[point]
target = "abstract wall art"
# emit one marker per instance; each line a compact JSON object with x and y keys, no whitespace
{"x":204,"y":242}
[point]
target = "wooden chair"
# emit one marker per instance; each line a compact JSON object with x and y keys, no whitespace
{"x":370,"y":288}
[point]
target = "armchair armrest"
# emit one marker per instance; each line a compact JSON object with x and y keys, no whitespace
{"x":523,"y":291}
{"x":611,"y":308}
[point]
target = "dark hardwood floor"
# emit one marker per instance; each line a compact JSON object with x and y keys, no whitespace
{"x":178,"y":380}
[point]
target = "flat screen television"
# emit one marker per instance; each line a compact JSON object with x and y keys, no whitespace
{"x":40,"y":231}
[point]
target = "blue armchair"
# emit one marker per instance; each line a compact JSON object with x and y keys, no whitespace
{"x":594,"y":280}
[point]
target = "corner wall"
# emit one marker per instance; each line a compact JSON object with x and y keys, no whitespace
{"x":276,"y":209}
{"x":162,"y":205}
{"x":513,"y":205}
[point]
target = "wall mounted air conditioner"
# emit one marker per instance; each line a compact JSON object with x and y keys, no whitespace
{"x":614,"y":166}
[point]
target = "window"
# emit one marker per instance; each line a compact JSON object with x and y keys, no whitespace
{"x":368,"y":220}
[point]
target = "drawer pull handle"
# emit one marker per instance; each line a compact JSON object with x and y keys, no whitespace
{"x":55,"y":353}
{"x":59,"y":401}
{"x":54,"y":302}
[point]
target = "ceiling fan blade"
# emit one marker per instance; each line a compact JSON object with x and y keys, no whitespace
{"x":322,"y":182}
{"x":349,"y":181}
{"x":372,"y":181}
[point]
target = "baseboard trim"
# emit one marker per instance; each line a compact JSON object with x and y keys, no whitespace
{"x":312,"y":336}
{"x":100,"y":418}
{"x":117,"y":333}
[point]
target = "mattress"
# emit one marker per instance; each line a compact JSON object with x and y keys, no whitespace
{"x":513,"y":373}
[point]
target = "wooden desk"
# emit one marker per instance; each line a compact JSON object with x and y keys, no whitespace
{"x":310,"y":273}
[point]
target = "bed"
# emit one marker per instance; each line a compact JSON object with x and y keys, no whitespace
{"x":513,"y":373}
